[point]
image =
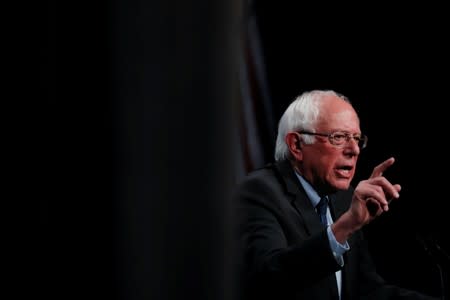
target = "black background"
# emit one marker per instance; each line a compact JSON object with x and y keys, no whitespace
{"x":130,"y":156}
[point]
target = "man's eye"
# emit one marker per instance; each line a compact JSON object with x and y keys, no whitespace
{"x":339,"y":136}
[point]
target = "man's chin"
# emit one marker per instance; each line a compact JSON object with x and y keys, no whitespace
{"x":342,"y":184}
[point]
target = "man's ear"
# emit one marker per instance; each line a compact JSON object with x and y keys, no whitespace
{"x":294,"y":143}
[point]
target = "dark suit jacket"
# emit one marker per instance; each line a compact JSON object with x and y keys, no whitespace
{"x":285,"y":249}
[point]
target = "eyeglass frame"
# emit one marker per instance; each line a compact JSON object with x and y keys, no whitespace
{"x":361,"y":139}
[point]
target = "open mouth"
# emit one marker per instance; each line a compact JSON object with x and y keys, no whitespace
{"x":344,"y":171}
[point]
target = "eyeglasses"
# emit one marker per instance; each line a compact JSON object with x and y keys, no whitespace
{"x":339,"y":138}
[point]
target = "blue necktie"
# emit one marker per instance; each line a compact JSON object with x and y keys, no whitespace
{"x":322,"y":212}
{"x":321,"y":208}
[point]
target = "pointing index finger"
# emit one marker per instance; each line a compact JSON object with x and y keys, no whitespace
{"x":378,"y":170}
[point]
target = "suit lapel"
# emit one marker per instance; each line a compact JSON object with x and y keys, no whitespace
{"x":338,"y":204}
{"x":308,"y":215}
{"x":300,"y":200}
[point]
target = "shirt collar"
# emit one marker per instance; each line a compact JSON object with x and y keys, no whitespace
{"x":310,"y":192}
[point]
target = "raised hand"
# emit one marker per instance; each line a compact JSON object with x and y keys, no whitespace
{"x":372,"y":196}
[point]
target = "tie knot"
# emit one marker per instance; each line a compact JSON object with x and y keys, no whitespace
{"x":322,"y":209}
{"x":322,"y":203}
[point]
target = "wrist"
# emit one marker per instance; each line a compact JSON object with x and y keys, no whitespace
{"x":344,"y":227}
